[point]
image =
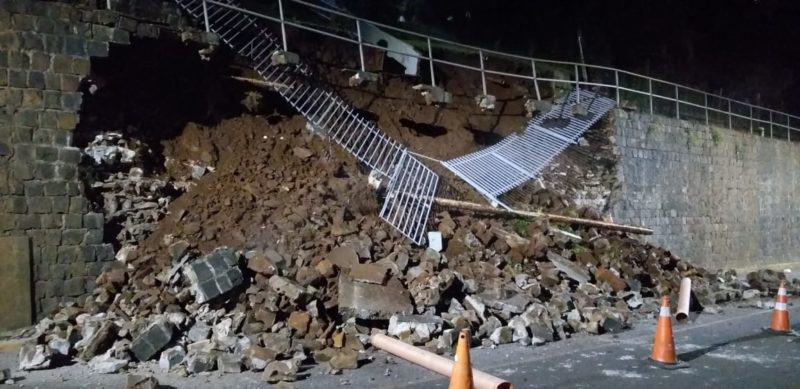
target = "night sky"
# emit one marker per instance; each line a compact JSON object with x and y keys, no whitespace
{"x":749,"y":50}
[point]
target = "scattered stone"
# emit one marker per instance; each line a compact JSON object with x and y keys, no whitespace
{"x":750,"y":294}
{"x":107,"y":364}
{"x":421,"y":328}
{"x":199,"y":362}
{"x":199,"y":331}
{"x":139,"y":382}
{"x":171,"y":357}
{"x":287,"y":287}
{"x":59,"y":346}
{"x":502,"y":335}
{"x":99,"y":341}
{"x":280,"y":371}
{"x":344,"y":359}
{"x":35,"y":357}
{"x":229,"y":363}
{"x":256,"y":358}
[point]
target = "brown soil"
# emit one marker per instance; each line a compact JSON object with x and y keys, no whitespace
{"x":261,"y":189}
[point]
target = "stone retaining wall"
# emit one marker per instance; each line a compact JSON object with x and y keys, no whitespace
{"x":717,"y":197}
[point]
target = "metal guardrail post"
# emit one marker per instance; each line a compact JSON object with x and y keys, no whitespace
{"x":751,"y":120}
{"x":283,"y":26}
{"x":616,"y":83}
{"x":577,"y":84}
{"x":677,"y":104}
{"x":788,"y":129}
{"x":650,"y":93}
{"x":483,"y":74}
{"x":360,"y":45}
{"x":205,"y":16}
{"x":108,"y":4}
{"x":730,"y":116}
{"x":770,"y":124}
{"x":705,"y":104}
{"x":430,"y":60}
{"x":535,"y":83}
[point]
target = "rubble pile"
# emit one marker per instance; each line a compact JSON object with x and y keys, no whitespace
{"x":278,"y":259}
{"x":132,"y":198}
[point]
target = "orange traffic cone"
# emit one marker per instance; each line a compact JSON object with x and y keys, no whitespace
{"x":664,"y":344}
{"x":780,"y":316}
{"x":462,"y":369}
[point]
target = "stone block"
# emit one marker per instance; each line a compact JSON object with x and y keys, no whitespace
{"x":72,"y":221}
{"x":152,"y":339}
{"x":17,"y":78}
{"x":44,"y":171}
{"x":74,"y":45}
{"x":69,"y":83}
{"x":93,"y":237}
{"x":67,"y":120}
{"x":40,"y":61}
{"x":67,"y":254}
{"x":28,"y":222}
{"x":18,"y":60}
{"x":77,"y":204}
{"x":69,"y":155}
{"x":51,"y":221}
{"x":73,"y":237}
{"x":15,"y":283}
{"x":215,"y":274}
{"x":10,"y":40}
{"x":121,"y":36}
{"x":16,"y":204}
{"x":32,"y":41}
{"x":71,"y":101}
{"x":40,"y":204}
{"x":96,"y":48}
{"x":52,"y":99}
{"x":54,"y":43}
{"x":75,"y":287}
{"x":52,"y":81}
{"x":81,"y":66}
{"x":62,"y":63}
{"x":46,"y":153}
{"x":36,"y":79}
{"x":62,"y":137}
{"x":55,"y":188}
{"x":28,"y":118}
{"x":60,"y":204}
{"x":32,"y":99}
{"x":42,"y":135}
{"x":93,"y":220}
{"x":104,"y":253}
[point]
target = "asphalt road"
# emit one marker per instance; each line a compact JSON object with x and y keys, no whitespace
{"x":728,"y":350}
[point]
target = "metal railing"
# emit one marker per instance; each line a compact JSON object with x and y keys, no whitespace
{"x":629,"y":89}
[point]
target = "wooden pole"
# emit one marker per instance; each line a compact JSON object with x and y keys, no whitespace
{"x":449,"y":203}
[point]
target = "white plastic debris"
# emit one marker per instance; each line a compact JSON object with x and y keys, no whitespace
{"x":435,"y":240}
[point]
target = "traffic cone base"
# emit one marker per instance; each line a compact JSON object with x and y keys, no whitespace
{"x":462,"y":369}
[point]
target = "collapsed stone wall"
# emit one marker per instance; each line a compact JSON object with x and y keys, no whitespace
{"x":717,"y":197}
{"x":46,"y":51}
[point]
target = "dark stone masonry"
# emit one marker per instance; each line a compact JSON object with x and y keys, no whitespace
{"x":45,"y":52}
{"x":719,"y":198}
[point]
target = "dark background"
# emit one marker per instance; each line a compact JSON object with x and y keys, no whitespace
{"x":748,"y":50}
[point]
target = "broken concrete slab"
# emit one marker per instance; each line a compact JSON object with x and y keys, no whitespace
{"x":368,"y":272}
{"x":256,"y":358}
{"x":421,"y":328}
{"x":99,"y":341}
{"x":573,"y":270}
{"x":343,"y":256}
{"x":371,"y":301}
{"x":152,"y":339}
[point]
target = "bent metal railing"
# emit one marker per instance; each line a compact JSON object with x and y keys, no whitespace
{"x":629,"y":89}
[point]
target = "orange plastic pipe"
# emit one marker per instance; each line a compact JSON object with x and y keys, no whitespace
{"x":434,"y":362}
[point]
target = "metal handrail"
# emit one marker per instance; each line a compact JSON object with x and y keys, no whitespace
{"x":617,"y":87}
